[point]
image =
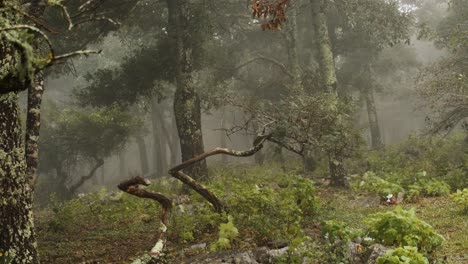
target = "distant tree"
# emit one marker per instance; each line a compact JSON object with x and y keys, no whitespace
{"x":444,"y":84}
{"x":76,"y":137}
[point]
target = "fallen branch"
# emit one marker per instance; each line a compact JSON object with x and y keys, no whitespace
{"x":132,"y":187}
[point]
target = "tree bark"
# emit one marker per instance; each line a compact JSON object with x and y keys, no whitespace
{"x":83,"y":179}
{"x":222,"y":135}
{"x":328,"y":81}
{"x":186,"y":101}
{"x":158,"y":154}
{"x":376,"y":139}
{"x":33,"y":125}
{"x":325,"y":51}
{"x":17,"y":235}
{"x":292,"y":37}
{"x":143,"y":154}
{"x":33,"y":118}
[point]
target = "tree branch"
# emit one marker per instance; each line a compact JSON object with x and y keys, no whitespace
{"x":132,"y":187}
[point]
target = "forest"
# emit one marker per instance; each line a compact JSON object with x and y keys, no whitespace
{"x":234,"y":131}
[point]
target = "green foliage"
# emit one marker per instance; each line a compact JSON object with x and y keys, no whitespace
{"x":334,"y":230}
{"x":402,"y":255}
{"x":227,"y":233}
{"x":370,"y":182}
{"x":267,"y":204}
{"x":402,"y":228}
{"x":424,"y":160}
{"x":461,"y":198}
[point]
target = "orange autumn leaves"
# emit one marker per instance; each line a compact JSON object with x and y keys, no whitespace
{"x":273,"y":13}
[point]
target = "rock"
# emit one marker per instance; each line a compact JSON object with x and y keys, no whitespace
{"x":261,"y":255}
{"x":255,"y":256}
{"x":353,"y":254}
{"x":198,"y":246}
{"x":400,"y":198}
{"x":244,"y":258}
{"x":277,"y":244}
{"x":374,"y":252}
{"x":276,"y":253}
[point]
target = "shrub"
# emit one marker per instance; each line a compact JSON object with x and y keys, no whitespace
{"x":370,"y":182}
{"x":227,"y":233}
{"x":402,"y":228}
{"x":403,"y":255}
{"x":461,"y":198}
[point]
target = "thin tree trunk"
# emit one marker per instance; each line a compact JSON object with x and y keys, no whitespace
{"x":143,"y":154}
{"x":174,"y":144}
{"x":163,"y":137}
{"x":186,"y":101}
{"x":17,"y":235}
{"x":222,"y":135}
{"x":156,"y":122}
{"x":83,"y":179}
{"x":328,"y":81}
{"x":122,"y":164}
{"x":376,"y":138}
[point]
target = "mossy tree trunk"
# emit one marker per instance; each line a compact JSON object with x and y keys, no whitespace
{"x":186,"y":101}
{"x":328,"y":81}
{"x":17,"y":236}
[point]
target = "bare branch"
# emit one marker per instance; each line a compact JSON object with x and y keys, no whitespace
{"x":132,"y":187}
{"x":264,"y":58}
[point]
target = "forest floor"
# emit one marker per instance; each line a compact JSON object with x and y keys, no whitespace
{"x":93,"y":242}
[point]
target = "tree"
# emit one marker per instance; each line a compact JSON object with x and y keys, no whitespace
{"x":187,"y":107}
{"x":444,"y":84}
{"x":21,"y":58}
{"x":82,"y":137}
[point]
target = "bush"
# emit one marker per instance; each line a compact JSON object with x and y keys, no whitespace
{"x":370,"y":182}
{"x":442,"y":158}
{"x":266,"y":203}
{"x":461,"y":198}
{"x":402,"y":255}
{"x":402,"y":228}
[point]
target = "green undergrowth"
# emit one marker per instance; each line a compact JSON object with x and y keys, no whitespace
{"x":275,"y":203}
{"x":265,"y":204}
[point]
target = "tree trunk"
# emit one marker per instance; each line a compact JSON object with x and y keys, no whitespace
{"x":376,"y":138}
{"x":222,"y":135}
{"x":143,"y":154}
{"x":186,"y":101}
{"x":33,"y":118}
{"x":174,"y":144}
{"x":122,"y":164}
{"x":329,"y":82}
{"x":17,"y":236}
{"x":83,"y":179}
{"x":292,"y":47}
{"x":33,"y":125}
{"x":158,"y":154}
{"x":325,"y":52}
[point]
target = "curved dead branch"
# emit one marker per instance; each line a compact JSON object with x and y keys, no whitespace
{"x":132,"y":187}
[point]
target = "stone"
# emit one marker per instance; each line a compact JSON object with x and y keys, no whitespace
{"x":374,"y":252}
